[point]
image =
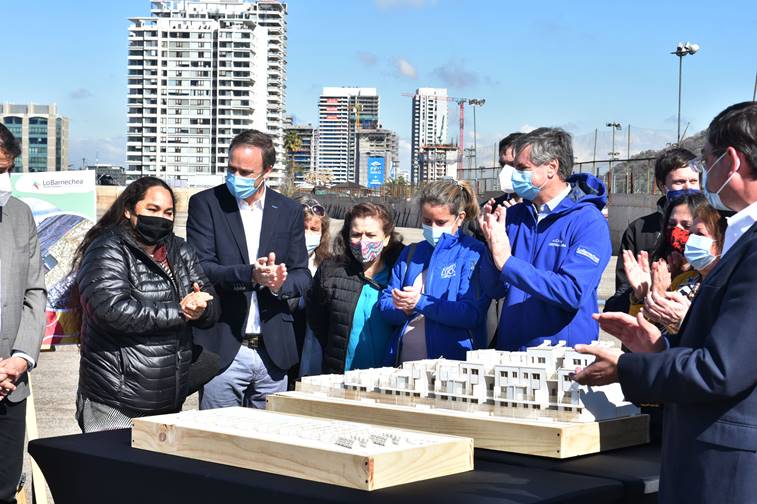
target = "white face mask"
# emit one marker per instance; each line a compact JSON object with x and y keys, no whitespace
{"x":506,"y":178}
{"x":312,"y":240}
{"x":5,"y":188}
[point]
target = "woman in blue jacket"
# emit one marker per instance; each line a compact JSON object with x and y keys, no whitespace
{"x":433,"y":295}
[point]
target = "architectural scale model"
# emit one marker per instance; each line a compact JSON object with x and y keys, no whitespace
{"x":351,"y":454}
{"x":535,"y":384}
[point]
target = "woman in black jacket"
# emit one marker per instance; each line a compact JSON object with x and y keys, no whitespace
{"x":342,"y":304}
{"x":141,"y":289}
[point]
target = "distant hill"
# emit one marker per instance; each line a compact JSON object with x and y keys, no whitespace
{"x":638,"y":173}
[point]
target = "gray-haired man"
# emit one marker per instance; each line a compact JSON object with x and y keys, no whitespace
{"x":549,"y":252}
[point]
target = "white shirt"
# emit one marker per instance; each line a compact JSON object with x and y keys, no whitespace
{"x":738,"y":225}
{"x":550,"y":205}
{"x":252,"y":221}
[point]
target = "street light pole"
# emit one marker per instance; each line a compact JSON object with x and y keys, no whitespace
{"x":613,"y":126}
{"x":681,"y":51}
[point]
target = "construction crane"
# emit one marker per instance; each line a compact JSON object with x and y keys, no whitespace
{"x":461,"y":104}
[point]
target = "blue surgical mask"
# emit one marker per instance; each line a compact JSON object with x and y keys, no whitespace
{"x":312,"y":240}
{"x":523,"y":186}
{"x":241,"y":187}
{"x":677,"y":193}
{"x":433,"y":234}
{"x":697,"y":251}
{"x":713,"y":198}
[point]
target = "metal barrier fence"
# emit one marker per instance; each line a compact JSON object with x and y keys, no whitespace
{"x":631,"y":176}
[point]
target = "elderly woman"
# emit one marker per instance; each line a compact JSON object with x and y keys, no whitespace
{"x":141,"y":290}
{"x":343,"y":304}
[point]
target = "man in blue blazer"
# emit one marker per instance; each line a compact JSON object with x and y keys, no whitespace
{"x":706,"y":375}
{"x":251,"y":243}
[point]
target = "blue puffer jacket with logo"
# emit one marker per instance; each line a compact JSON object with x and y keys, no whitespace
{"x":453,"y":303}
{"x":550,"y":282}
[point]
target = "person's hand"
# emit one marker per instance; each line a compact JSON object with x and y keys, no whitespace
{"x":666,"y":308}
{"x":269,"y":274}
{"x":512,"y":201}
{"x":660,"y":276}
{"x":11,"y":369}
{"x":637,"y":272}
{"x":677,"y":263}
{"x":406,"y":299}
{"x":6,"y":388}
{"x":636,"y":333}
{"x":486,"y":209}
{"x":604,"y":369}
{"x":194,"y":304}
{"x":495,"y":231}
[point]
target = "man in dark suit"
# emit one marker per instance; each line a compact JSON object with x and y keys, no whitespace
{"x":22,"y":317}
{"x":705,"y":375}
{"x":251,"y":243}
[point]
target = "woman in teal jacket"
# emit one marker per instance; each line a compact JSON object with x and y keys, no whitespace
{"x":434,"y":295}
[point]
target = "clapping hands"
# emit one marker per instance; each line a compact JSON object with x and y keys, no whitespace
{"x":494,"y":227}
{"x":269,"y":274}
{"x":638,"y":273}
{"x":406,"y":299}
{"x":193,"y":305}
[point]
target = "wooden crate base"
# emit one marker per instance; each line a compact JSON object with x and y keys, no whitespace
{"x":303,"y":447}
{"x":531,"y":437}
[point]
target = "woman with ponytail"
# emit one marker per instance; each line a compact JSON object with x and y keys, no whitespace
{"x":434,"y":297}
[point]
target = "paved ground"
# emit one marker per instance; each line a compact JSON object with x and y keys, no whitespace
{"x":55,"y":379}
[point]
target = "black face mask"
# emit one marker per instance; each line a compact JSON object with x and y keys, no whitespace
{"x":152,"y":230}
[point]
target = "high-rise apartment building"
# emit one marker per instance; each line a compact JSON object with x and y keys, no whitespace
{"x":378,"y":157}
{"x":305,"y":154}
{"x":42,"y":133}
{"x":430,"y":124}
{"x":200,"y":72}
{"x":343,"y":112}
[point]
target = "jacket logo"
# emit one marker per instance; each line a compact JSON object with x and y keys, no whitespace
{"x":557,"y":242}
{"x":583,"y":252}
{"x":448,"y":271}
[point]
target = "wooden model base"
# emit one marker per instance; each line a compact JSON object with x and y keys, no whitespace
{"x":348,"y":454}
{"x":531,"y":437}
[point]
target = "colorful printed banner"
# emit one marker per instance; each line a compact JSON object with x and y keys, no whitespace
{"x":64,"y":208}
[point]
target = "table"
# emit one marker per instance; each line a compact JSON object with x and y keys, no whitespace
{"x":102,"y":467}
{"x":637,"y":468}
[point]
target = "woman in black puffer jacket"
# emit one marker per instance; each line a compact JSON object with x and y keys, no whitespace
{"x":343,"y":301}
{"x":141,"y":289}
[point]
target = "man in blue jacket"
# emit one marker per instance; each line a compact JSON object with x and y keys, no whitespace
{"x":549,"y":252}
{"x":705,"y":375}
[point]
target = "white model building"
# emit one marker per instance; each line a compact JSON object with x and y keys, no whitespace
{"x":535,"y":383}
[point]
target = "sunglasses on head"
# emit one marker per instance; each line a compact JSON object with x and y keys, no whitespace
{"x":316,"y":209}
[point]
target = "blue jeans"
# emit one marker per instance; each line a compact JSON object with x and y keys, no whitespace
{"x":246,"y":382}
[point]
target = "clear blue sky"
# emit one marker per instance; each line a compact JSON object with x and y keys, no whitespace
{"x":571,"y":64}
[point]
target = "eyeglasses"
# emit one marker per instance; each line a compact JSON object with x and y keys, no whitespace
{"x":316,"y":209}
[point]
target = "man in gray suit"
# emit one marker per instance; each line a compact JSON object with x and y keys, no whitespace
{"x":22,"y":317}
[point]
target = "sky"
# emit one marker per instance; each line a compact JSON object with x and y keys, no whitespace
{"x":577,"y":64}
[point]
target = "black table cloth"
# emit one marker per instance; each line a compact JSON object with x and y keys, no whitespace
{"x":103,"y":468}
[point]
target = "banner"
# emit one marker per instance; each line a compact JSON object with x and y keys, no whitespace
{"x":376,"y":166}
{"x":64,"y":209}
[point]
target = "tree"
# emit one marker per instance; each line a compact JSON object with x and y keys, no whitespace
{"x":397,"y":188}
{"x":292,"y":144}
